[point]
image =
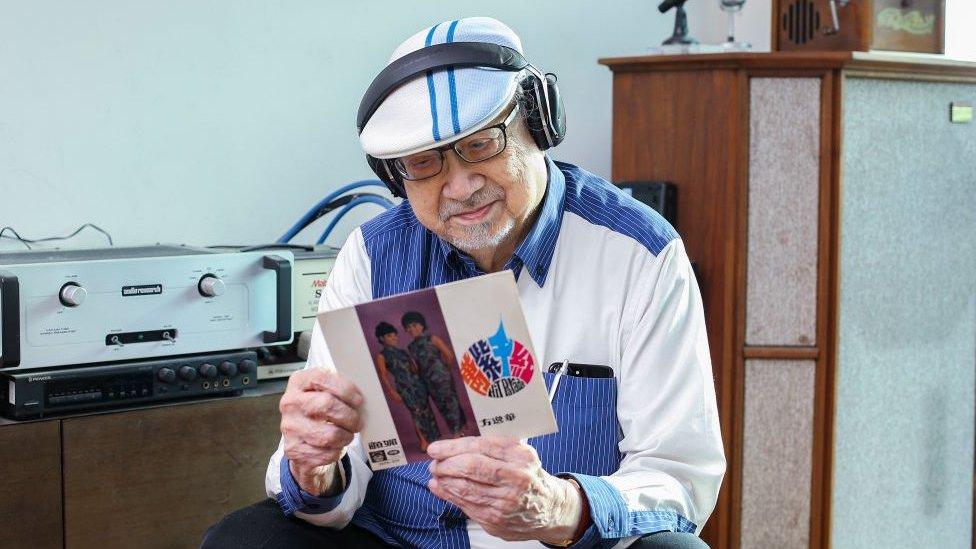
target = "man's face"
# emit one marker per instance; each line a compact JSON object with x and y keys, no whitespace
{"x":476,"y":206}
{"x":414,"y":329}
{"x":389,"y":339}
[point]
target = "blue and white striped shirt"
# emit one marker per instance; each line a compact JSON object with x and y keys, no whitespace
{"x":604,"y":280}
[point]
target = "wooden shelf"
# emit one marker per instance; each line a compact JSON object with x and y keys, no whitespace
{"x":917,"y":66}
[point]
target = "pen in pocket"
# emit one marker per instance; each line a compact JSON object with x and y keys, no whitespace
{"x":555,"y":381}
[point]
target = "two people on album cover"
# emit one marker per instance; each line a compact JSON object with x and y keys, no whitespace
{"x":422,"y":373}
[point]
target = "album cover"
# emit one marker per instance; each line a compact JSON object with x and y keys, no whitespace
{"x":444,"y":362}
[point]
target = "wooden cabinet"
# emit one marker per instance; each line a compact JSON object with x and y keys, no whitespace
{"x":30,"y":485}
{"x":829,"y":203}
{"x":152,"y":477}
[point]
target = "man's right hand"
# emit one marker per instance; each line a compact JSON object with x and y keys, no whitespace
{"x":319,"y":416}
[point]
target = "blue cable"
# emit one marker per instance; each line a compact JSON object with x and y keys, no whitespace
{"x":310,"y":215}
{"x":345,"y":209}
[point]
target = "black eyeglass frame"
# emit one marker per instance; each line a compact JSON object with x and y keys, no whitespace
{"x":504,"y":125}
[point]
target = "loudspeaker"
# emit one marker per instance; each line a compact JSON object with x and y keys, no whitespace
{"x":661,"y":196}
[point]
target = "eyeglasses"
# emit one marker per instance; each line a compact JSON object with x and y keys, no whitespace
{"x":477,"y":147}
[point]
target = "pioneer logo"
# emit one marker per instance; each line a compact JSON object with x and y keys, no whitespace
{"x":35,"y":379}
{"x":146,"y":289}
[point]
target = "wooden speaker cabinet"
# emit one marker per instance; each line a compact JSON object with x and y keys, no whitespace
{"x":153,"y":477}
{"x":830,"y":203}
{"x":860,"y":25}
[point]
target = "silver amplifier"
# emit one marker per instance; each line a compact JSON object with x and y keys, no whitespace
{"x":76,"y":307}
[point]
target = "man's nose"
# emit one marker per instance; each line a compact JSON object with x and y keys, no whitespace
{"x":461,"y":181}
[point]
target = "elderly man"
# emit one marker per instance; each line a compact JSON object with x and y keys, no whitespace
{"x":458,"y":123}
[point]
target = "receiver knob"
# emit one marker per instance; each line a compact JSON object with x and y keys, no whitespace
{"x":228,"y":368}
{"x":248,"y":366}
{"x":211,"y":286}
{"x":188,"y":373}
{"x":166,"y":375}
{"x":208,"y":371}
{"x":72,"y":294}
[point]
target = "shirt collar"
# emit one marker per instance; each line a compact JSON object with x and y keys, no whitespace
{"x":535,"y":251}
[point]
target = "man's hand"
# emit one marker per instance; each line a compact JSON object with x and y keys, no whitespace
{"x":499,"y":483}
{"x":319,"y":416}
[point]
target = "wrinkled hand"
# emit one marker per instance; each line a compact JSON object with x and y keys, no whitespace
{"x":499,"y":482}
{"x":319,"y":416}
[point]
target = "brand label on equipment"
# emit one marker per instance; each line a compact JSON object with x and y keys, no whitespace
{"x":146,"y":289}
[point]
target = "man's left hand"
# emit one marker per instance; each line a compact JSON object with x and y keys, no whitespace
{"x":499,"y":482}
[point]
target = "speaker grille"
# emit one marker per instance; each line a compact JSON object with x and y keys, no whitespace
{"x":801,"y":21}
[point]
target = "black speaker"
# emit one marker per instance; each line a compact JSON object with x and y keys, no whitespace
{"x":659,"y":195}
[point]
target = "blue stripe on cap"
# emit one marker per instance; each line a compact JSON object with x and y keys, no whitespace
{"x":430,"y":90}
{"x":450,"y":82}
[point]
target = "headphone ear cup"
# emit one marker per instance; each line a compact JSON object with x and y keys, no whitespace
{"x":379,"y":167}
{"x":546,"y":134}
{"x":557,"y":114}
{"x":534,"y":117}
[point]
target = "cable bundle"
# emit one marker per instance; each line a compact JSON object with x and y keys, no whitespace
{"x":334,"y":201}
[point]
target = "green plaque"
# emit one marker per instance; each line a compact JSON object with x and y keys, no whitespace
{"x":960,"y":113}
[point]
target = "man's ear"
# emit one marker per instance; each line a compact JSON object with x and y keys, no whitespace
{"x":525,"y":144}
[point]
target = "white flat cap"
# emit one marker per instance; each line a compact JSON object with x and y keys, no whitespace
{"x":444,"y":105}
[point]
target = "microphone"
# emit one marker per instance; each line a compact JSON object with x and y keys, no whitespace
{"x":680,"y":35}
{"x":668,"y":4}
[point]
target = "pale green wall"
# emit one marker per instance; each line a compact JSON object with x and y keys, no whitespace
{"x":223,"y":121}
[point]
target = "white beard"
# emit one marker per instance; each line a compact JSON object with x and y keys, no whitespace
{"x":480,"y":236}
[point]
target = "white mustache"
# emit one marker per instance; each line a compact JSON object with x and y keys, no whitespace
{"x":479,"y":199}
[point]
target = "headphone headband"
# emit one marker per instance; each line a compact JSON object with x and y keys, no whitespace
{"x":439,"y":56}
{"x":545,"y":117}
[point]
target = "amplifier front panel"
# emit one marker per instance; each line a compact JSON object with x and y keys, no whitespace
{"x":144,"y":307}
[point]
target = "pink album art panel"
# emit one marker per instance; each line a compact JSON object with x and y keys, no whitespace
{"x":421,"y":380}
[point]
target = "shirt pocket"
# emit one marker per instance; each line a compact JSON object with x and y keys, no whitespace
{"x":586,"y":413}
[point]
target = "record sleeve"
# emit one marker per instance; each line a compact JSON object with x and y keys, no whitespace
{"x":443,"y":362}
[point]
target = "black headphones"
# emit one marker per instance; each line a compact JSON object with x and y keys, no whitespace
{"x":540,"y":95}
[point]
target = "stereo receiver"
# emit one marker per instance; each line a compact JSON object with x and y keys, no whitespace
{"x":37,"y":393}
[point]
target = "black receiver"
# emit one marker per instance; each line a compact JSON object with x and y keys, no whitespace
{"x":40,"y":393}
{"x":542,"y":103}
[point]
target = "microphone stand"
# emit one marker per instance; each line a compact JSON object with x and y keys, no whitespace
{"x":680,"y":35}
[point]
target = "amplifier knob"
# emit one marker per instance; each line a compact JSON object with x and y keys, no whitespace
{"x":166,"y":375}
{"x":248,"y":366}
{"x":188,"y":373}
{"x":211,"y":286}
{"x":208,"y":371}
{"x":72,"y":294}
{"x":228,"y":368}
